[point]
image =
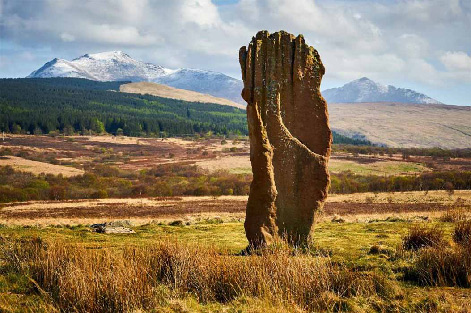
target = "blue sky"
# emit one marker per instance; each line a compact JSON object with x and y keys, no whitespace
{"x":419,"y":44}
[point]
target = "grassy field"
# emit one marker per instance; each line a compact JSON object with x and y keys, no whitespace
{"x":382,"y":168}
{"x":350,"y":248}
{"x":356,"y":247}
{"x":371,"y":251}
{"x":241,"y":165}
{"x":36,"y":167}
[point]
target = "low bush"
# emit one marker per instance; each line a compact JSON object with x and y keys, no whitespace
{"x":106,"y":181}
{"x":421,"y":236}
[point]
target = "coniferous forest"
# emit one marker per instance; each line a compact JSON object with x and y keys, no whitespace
{"x":73,"y":105}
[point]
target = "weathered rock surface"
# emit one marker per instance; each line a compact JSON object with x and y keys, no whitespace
{"x":119,"y":227}
{"x":289,"y":134}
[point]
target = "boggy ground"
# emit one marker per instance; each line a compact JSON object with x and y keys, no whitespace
{"x":128,"y":153}
{"x":352,"y":207}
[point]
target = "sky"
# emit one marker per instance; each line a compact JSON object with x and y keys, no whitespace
{"x":424,"y":45}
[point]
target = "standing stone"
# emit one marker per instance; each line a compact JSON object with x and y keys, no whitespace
{"x":289,"y":135}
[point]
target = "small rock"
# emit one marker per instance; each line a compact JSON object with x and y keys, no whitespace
{"x":108,"y":228}
{"x":123,"y":223}
{"x":176,"y":223}
{"x":215,"y":220}
{"x":337,"y":219}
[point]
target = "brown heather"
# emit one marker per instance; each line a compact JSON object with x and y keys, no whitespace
{"x":81,"y":279}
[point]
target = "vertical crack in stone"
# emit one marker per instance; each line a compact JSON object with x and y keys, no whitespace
{"x":289,"y":134}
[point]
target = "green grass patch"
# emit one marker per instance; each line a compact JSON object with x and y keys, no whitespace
{"x":376,"y":168}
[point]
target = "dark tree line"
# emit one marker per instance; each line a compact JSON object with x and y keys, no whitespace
{"x":351,"y":183}
{"x":405,"y":152}
{"x":341,"y":139}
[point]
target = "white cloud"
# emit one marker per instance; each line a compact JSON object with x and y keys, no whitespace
{"x":412,"y":46}
{"x":66,"y":37}
{"x":457,"y":61}
{"x":422,"y":71}
{"x":200,"y":12}
{"x":349,"y":67}
{"x":114,"y":34}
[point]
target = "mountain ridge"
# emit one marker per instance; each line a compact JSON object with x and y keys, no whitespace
{"x":119,"y":66}
{"x":366,"y":90}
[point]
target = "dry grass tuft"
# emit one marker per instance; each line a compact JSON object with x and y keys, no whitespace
{"x":421,"y":236}
{"x":453,"y":216}
{"x":442,"y":267}
{"x":462,"y":233}
{"x":86,"y":280}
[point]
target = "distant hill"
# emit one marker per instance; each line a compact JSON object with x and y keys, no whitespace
{"x":119,"y":66}
{"x":404,"y":124}
{"x":79,"y":105}
{"x":366,"y":90}
{"x":174,"y":93}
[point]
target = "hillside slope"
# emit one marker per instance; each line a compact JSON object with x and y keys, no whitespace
{"x":63,"y":103}
{"x":174,"y":93}
{"x":404,"y":125}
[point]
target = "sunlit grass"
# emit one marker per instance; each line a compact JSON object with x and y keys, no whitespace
{"x":376,"y":168}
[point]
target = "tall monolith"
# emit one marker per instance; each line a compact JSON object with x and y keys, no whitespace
{"x":290,"y":138}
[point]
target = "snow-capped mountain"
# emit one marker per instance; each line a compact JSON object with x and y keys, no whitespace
{"x":105,"y":66}
{"x":366,"y":90}
{"x":61,"y":68}
{"x":118,"y":66}
{"x":208,"y":82}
